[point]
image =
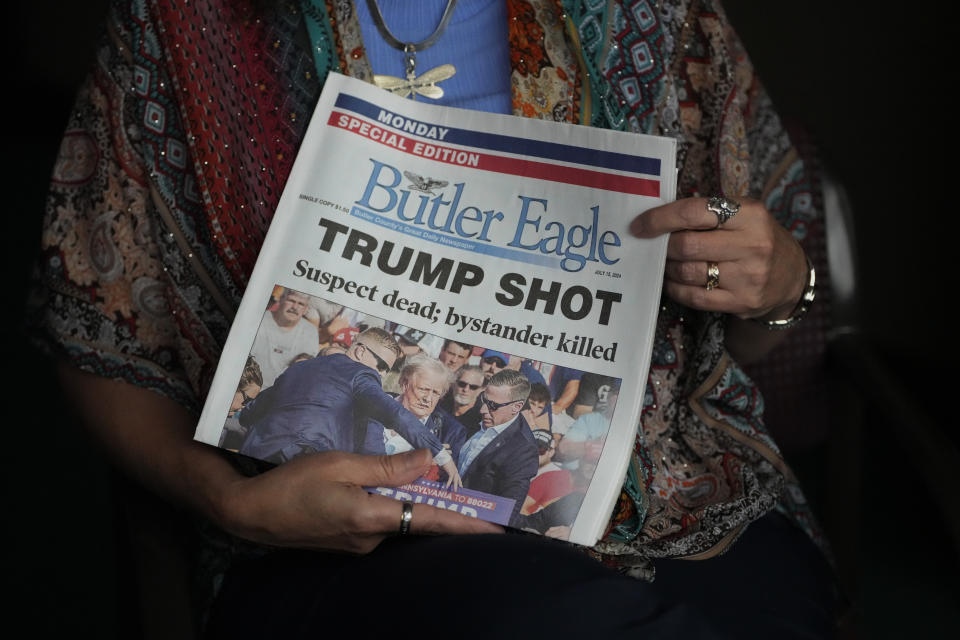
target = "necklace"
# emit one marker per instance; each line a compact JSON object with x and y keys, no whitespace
{"x":412,"y":85}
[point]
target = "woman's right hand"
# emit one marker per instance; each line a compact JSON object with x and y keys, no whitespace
{"x":314,"y":501}
{"x":318,"y":501}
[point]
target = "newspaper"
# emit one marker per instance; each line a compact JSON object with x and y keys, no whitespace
{"x":506,"y":235}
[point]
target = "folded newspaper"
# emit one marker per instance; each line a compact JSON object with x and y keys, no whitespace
{"x":459,"y":281}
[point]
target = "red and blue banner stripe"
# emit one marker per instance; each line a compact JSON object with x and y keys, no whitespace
{"x":479,"y":144}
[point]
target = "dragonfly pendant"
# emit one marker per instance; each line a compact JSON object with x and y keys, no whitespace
{"x":413,"y":85}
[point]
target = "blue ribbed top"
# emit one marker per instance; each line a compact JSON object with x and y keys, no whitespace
{"x":475,"y":42}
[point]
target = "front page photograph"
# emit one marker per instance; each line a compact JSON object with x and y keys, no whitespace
{"x":535,"y":475}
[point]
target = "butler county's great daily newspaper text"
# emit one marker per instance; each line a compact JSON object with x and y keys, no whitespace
{"x":506,"y":235}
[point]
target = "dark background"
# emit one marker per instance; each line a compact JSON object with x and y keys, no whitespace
{"x":870,"y":82}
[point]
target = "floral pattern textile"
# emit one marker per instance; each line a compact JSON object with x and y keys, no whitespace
{"x":183,"y":136}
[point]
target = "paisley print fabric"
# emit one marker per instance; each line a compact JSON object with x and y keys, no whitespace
{"x":183,"y":136}
{"x":544,"y":68}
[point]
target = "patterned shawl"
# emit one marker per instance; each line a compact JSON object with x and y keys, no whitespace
{"x":186,"y":129}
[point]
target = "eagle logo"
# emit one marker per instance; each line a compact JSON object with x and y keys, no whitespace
{"x":426,"y":185}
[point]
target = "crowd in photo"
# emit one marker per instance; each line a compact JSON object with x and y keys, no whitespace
{"x":321,"y":376}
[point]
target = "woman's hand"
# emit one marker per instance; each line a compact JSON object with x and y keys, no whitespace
{"x":762,"y":267}
{"x":314,"y":501}
{"x":318,"y":501}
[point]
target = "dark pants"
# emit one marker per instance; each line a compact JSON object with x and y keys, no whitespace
{"x":773,"y":583}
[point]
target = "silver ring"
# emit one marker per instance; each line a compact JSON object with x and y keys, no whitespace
{"x":723,"y":208}
{"x":713,"y":276}
{"x":406,"y":516}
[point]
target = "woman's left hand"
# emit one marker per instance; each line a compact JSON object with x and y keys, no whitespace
{"x":762,"y":267}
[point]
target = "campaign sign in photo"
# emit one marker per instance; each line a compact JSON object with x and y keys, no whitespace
{"x":475,"y":504}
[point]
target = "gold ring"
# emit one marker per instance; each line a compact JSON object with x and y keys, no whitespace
{"x":713,"y":276}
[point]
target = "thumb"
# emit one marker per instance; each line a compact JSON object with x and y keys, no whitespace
{"x":405,"y":467}
{"x":385,"y":471}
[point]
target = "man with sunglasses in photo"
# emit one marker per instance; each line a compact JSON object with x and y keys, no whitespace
{"x":501,"y":458}
{"x":492,"y":362}
{"x":323,"y":404}
{"x":463,"y":399}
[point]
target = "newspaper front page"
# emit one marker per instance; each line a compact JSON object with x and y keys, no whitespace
{"x":490,"y":246}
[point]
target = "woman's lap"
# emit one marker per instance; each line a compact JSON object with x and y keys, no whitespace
{"x":772,"y":583}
